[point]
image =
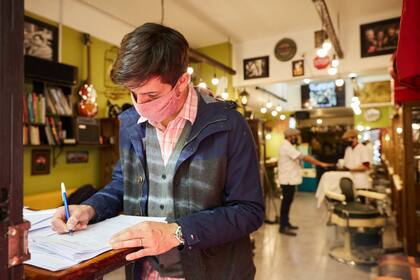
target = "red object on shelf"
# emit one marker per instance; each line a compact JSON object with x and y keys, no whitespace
{"x":408,"y":54}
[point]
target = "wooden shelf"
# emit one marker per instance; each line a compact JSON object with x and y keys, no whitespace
{"x":68,"y":145}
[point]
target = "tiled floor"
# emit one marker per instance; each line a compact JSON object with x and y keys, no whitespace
{"x":303,"y":257}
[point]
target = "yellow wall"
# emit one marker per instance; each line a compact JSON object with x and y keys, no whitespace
{"x":74,"y":53}
{"x":222,"y":53}
{"x":384,"y":120}
{"x":74,"y":175}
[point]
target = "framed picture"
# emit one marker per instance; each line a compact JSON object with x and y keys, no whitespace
{"x":319,"y":37}
{"x":298,"y":68}
{"x":40,"y":162}
{"x":380,"y":37}
{"x":256,"y":67}
{"x":77,"y":157}
{"x":40,"y":39}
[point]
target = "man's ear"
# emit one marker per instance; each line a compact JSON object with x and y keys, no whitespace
{"x":184,"y":82}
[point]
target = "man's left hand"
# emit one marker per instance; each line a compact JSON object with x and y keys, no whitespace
{"x":155,"y":238}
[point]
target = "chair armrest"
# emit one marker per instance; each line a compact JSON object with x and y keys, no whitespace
{"x":335,"y":196}
{"x":373,"y":195}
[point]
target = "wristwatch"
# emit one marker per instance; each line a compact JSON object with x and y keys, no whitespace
{"x":179,"y":236}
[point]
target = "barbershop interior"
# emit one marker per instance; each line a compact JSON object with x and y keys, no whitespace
{"x":330,"y":93}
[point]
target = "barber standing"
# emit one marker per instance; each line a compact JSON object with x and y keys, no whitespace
{"x":357,"y":160}
{"x":290,"y":175}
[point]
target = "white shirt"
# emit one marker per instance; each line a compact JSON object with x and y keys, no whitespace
{"x":289,"y":168}
{"x":354,"y":158}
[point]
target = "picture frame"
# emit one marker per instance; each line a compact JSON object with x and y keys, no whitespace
{"x":40,"y":39}
{"x":379,"y":37}
{"x":256,"y":67}
{"x":77,"y":157}
{"x":40,"y":162}
{"x":319,"y":37}
{"x":298,"y":68}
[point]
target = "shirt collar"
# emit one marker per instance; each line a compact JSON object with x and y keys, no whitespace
{"x":188,"y":111}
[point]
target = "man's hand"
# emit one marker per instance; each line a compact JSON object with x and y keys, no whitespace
{"x":326,"y":165}
{"x":80,"y":215}
{"x":155,"y":238}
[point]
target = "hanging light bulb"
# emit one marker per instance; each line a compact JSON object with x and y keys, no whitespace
{"x":321,"y":52}
{"x":319,"y":121}
{"x":279,"y":108}
{"x":225,"y":95}
{"x":327,"y":45}
{"x":307,"y":81}
{"x":190,"y":70}
{"x":335,"y":62}
{"x":269,"y":104}
{"x":332,"y":71}
{"x":263,"y":110}
{"x":352,"y":75}
{"x":274,"y":113}
{"x":282,"y":117}
{"x":215,"y":81}
{"x":202,"y":85}
{"x":268,"y":136}
{"x":339,"y":82}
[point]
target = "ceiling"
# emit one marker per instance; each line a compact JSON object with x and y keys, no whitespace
{"x":210,"y":22}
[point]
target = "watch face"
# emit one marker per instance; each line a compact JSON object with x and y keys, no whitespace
{"x":285,"y":49}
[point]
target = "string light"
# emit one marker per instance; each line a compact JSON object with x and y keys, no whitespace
{"x":269,"y":104}
{"x":274,"y":113}
{"x":263,"y":110}
{"x":202,"y":85}
{"x":190,"y":70}
{"x":321,"y":52}
{"x":279,"y":108}
{"x":332,"y":71}
{"x":318,"y":121}
{"x":215,"y":81}
{"x":225,"y":95}
{"x":307,"y":81}
{"x":327,"y":45}
{"x":339,"y":82}
{"x":282,"y":117}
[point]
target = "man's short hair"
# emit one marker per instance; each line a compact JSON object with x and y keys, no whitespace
{"x":151,"y":50}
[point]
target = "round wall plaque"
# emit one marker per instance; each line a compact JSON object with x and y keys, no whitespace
{"x":285,"y":49}
{"x":372,"y":114}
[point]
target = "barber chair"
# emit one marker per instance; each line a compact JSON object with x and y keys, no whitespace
{"x":362,"y":223}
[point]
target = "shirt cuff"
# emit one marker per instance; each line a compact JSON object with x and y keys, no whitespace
{"x":190,"y":236}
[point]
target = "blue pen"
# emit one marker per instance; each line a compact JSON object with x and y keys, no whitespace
{"x":64,"y":197}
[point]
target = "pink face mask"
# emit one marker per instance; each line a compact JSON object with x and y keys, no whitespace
{"x":161,"y":108}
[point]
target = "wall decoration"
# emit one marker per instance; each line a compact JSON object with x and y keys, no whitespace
{"x":321,"y":62}
{"x":380,"y":37}
{"x":375,"y":92}
{"x":298,"y":68}
{"x":77,"y":157}
{"x":319,"y":37}
{"x":40,"y":162}
{"x":40,"y":39}
{"x":372,"y":114}
{"x":257,"y":67}
{"x":285,"y":49}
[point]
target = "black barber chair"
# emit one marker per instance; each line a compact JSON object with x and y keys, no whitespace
{"x":362,"y":223}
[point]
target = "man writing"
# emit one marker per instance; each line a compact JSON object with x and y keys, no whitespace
{"x":182,"y":156}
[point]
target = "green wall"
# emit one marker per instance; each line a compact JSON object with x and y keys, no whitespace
{"x":384,"y":120}
{"x":74,"y":175}
{"x":222,"y":53}
{"x":74,"y":53}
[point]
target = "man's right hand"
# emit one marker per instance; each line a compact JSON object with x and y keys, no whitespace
{"x":80,"y":215}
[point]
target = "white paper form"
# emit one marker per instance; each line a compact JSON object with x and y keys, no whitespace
{"x":49,"y":248}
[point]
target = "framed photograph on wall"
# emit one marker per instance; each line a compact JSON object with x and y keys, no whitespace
{"x":40,"y":39}
{"x":77,"y":157}
{"x":256,"y":67}
{"x":298,"y":68}
{"x":40,"y":162}
{"x":380,"y":37}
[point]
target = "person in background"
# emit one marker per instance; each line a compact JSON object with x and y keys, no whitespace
{"x":290,"y":175}
{"x":357,"y":160}
{"x":183,"y":156}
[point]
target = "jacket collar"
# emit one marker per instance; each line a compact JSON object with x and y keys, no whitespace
{"x":209,"y":111}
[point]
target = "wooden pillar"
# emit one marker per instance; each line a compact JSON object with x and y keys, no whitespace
{"x":11,"y":151}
